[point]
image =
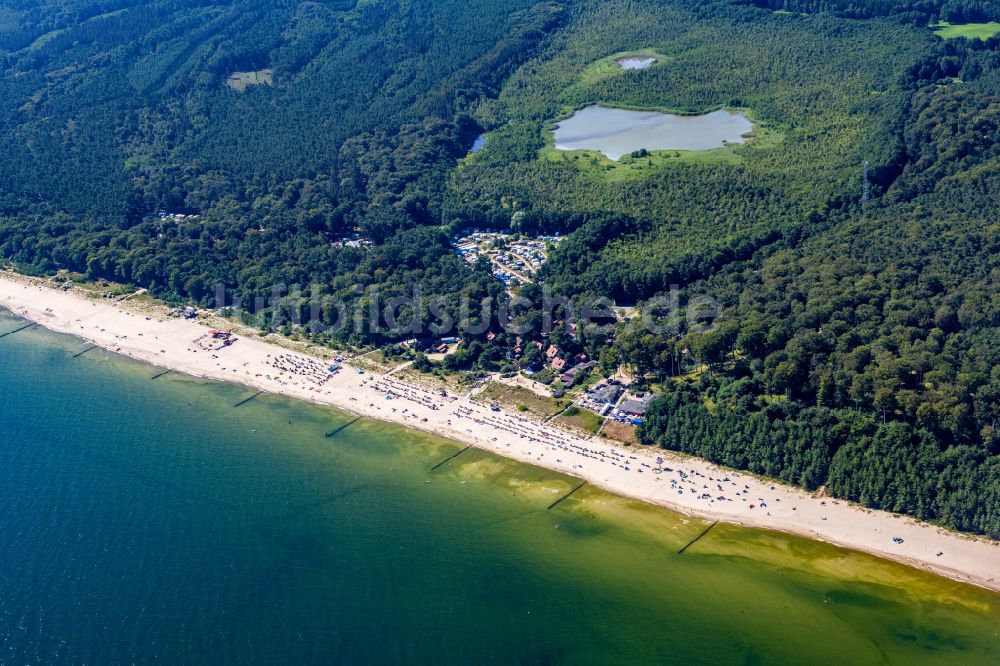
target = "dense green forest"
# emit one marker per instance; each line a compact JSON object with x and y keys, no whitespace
{"x":859,"y":343}
{"x":920,"y":12}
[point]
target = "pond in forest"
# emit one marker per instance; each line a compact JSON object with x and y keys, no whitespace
{"x":618,"y":132}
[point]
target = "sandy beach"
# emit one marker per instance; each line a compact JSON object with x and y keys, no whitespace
{"x":682,"y":484}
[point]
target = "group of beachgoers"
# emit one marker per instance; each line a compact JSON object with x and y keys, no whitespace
{"x":694,"y":482}
{"x":293,"y":368}
{"x":207,"y":342}
{"x":397,"y":390}
{"x":522,"y":426}
{"x":560,"y":442}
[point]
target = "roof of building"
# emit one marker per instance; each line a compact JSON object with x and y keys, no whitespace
{"x":606,"y":393}
{"x":636,"y":405}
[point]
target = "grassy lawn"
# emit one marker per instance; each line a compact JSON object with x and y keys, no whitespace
{"x":620,"y":432}
{"x":628,"y":168}
{"x":239,"y":81}
{"x":439,"y":379}
{"x":579,"y":419}
{"x":607,"y":67}
{"x":93,"y":289}
{"x":946,"y":30}
{"x":517,"y":396}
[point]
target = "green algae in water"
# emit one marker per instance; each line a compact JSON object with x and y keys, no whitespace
{"x":151,"y":521}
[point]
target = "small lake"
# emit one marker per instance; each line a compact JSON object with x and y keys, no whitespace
{"x":617,"y":132}
{"x":636,"y":62}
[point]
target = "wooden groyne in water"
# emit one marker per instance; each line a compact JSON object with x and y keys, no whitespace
{"x":85,"y":351}
{"x":243,"y":402}
{"x":566,"y":496}
{"x":157,"y":376}
{"x":339,"y":428}
{"x":692,"y":541}
{"x":451,"y":457}
{"x":17,"y":330}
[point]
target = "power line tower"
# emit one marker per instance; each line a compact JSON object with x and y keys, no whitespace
{"x":866,"y":187}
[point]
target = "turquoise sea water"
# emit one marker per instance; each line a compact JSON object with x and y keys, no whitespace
{"x":150,"y":521}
